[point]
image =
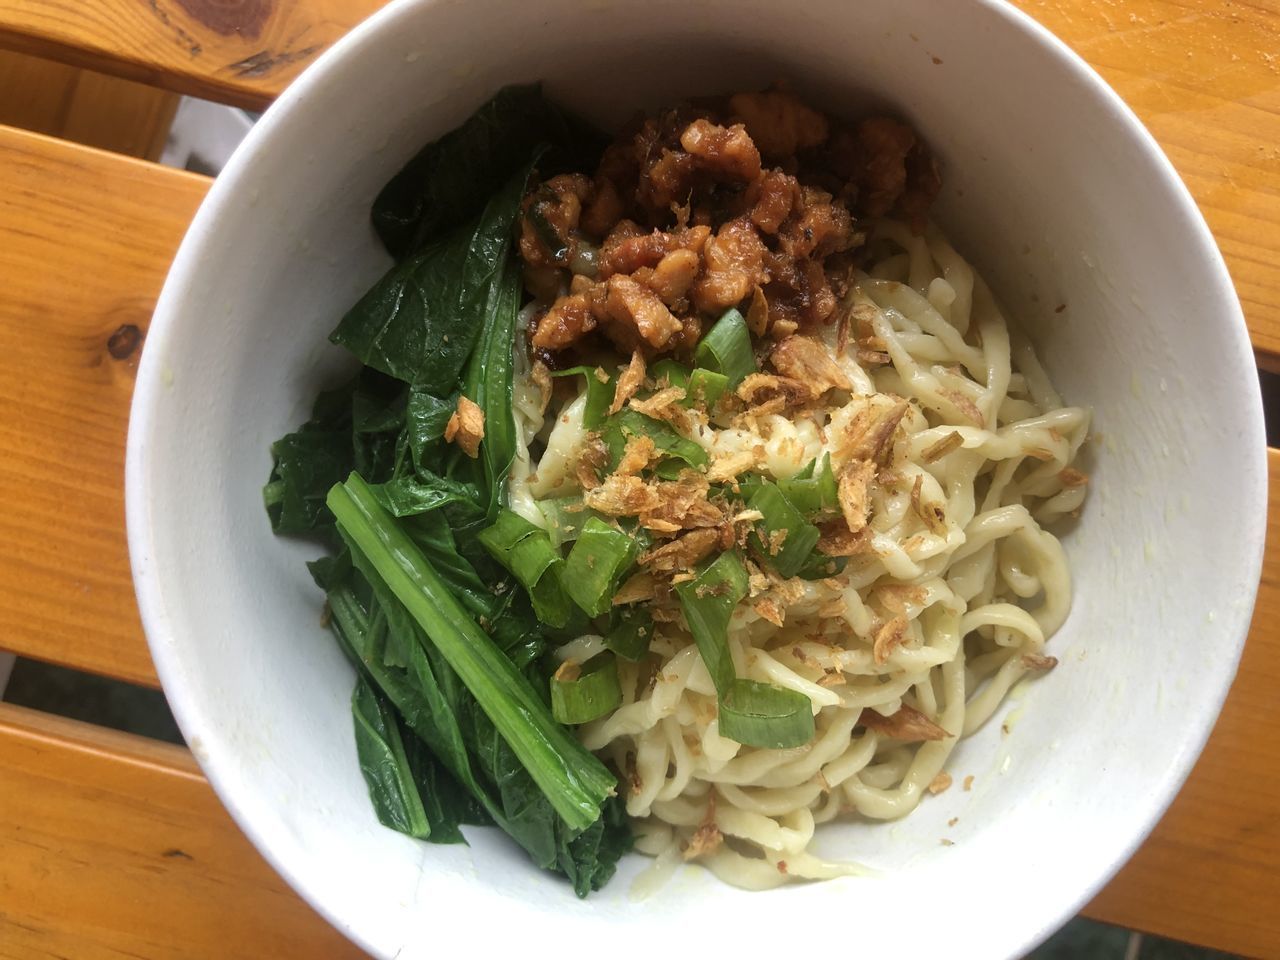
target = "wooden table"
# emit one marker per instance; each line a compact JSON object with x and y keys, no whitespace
{"x":113,"y":845}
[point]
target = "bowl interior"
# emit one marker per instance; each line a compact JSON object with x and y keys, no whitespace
{"x":1051,"y":189}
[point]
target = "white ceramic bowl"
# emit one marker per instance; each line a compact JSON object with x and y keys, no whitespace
{"x":1056,"y":192}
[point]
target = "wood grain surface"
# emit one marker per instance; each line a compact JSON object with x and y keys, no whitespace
{"x":86,"y":107}
{"x":1204,"y":75}
{"x":1210,"y":873}
{"x":242,"y":52}
{"x":113,"y":846}
{"x":85,"y":240}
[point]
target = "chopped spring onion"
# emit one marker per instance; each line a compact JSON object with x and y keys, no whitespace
{"x":819,"y":566}
{"x":599,"y":394}
{"x":591,"y":693}
{"x":526,"y":550}
{"x":762,"y":715}
{"x":597,"y":563}
{"x":630,"y":630}
{"x":629,"y":423}
{"x":708,"y":601}
{"x":573,"y":781}
{"x":753,"y":713}
{"x":726,"y":349}
{"x":700,"y":385}
{"x":565,"y":517}
{"x":813,"y":489}
{"x":783,"y":538}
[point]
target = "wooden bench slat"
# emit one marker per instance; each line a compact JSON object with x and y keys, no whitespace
{"x":1200,"y":73}
{"x":85,"y":240}
{"x":242,"y":52}
{"x":1203,"y":76}
{"x":114,"y":846}
{"x":1207,"y":874}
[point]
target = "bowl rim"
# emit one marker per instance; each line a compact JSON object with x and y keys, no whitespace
{"x":149,"y":388}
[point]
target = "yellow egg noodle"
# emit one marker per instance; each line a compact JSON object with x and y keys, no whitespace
{"x":986,"y":445}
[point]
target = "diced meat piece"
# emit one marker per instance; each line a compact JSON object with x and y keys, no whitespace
{"x":779,"y":123}
{"x":631,"y":305}
{"x":807,"y":360}
{"x":667,"y":181}
{"x":674,"y":275}
{"x":800,"y":293}
{"x":885,"y":144}
{"x":773,"y":197}
{"x":466,"y":427}
{"x":734,"y":266}
{"x":692,"y":238}
{"x":726,"y":153}
{"x":924,"y":183}
{"x":549,"y":221}
{"x":569,"y":319}
{"x":603,"y":208}
{"x":628,"y":248}
{"x":823,"y":226}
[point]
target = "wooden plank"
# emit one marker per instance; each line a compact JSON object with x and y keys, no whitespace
{"x":85,"y":240}
{"x":1204,"y":75}
{"x":1207,"y":874}
{"x":242,"y":52}
{"x":90,"y":108}
{"x":114,"y":846}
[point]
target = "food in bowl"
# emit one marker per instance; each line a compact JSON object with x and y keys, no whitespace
{"x":693,"y":486}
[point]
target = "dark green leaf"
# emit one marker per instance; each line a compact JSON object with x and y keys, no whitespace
{"x":628,"y":423}
{"x":451,"y":178}
{"x":420,"y":322}
{"x":384,"y":765}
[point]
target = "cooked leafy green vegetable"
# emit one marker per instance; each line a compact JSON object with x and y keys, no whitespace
{"x":573,"y":780}
{"x":385,"y":765}
{"x":629,"y":423}
{"x":420,"y":322}
{"x":450,"y":179}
